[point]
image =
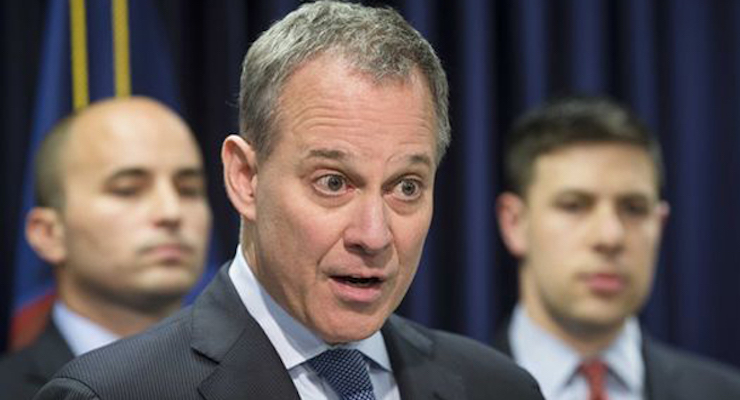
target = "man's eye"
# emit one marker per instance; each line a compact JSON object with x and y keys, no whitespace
{"x":124,"y":191}
{"x":636,"y":209}
{"x":571,"y":206}
{"x":408,"y":189}
{"x":332,"y":183}
{"x":191,"y":191}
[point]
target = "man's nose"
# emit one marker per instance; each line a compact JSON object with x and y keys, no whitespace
{"x":166,"y":205}
{"x":369,"y":230}
{"x":609,"y":231}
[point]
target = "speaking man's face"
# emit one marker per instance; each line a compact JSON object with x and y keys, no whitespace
{"x":344,"y":201}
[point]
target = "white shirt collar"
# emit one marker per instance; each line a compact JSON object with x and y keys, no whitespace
{"x":295,"y":344}
{"x":81,"y":334}
{"x":553,"y":363}
{"x":624,"y":356}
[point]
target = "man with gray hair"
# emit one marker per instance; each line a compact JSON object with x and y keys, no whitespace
{"x":343,"y":119}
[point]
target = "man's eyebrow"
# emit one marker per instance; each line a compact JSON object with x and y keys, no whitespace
{"x":132,"y":172}
{"x":633,"y":194}
{"x":574,"y":191}
{"x":639,"y":195}
{"x":327,"y":154}
{"x":421,"y":158}
{"x":137,"y":172}
{"x":191,"y":172}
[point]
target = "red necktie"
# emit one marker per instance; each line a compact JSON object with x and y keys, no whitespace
{"x":595,"y":373}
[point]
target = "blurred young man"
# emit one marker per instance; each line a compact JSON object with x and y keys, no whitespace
{"x":122,"y":217}
{"x":343,"y":115}
{"x":585,"y":217}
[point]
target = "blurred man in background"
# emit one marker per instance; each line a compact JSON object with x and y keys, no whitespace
{"x":584,"y":216}
{"x":123,"y":219}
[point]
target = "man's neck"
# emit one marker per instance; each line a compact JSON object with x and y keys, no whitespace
{"x":586,"y":339}
{"x":117,"y":318}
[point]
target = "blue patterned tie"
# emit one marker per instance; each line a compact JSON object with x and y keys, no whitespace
{"x":346,"y":372}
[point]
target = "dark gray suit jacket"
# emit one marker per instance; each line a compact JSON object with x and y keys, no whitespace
{"x":216,"y":350}
{"x":23,"y":373}
{"x":672,"y":374}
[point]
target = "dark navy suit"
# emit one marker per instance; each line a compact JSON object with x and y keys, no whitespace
{"x":216,"y":350}
{"x":23,"y":373}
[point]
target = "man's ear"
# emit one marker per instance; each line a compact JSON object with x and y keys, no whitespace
{"x":45,"y":234}
{"x":664,"y":210}
{"x":240,"y":175}
{"x":512,"y":222}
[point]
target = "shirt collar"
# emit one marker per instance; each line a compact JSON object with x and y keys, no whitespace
{"x":549,"y":360}
{"x":553,"y":363}
{"x":80,"y":333}
{"x":624,"y":356}
{"x":294,"y":343}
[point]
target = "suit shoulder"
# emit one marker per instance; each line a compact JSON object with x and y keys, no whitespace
{"x":12,"y":363}
{"x":157,"y":343}
{"x":120,"y":369}
{"x":14,"y":368}
{"x":480,"y":365}
{"x":475,"y":353}
{"x":692,"y":372}
{"x":24,"y":372}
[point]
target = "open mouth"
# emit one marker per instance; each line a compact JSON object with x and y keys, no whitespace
{"x":358,"y":281}
{"x":356,"y":289}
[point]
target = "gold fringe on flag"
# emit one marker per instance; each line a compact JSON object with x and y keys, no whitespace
{"x":121,"y":48}
{"x":78,"y":41}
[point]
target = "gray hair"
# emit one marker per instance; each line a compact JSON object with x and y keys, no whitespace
{"x":375,"y":41}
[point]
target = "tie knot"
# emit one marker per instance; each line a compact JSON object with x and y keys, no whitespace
{"x":595,"y":373}
{"x":346,"y":372}
{"x":593,"y":369}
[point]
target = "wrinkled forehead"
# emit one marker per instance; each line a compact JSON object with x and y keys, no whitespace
{"x":326,"y":80}
{"x":333,"y":63}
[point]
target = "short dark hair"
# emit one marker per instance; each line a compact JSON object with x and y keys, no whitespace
{"x":48,"y":168}
{"x":571,"y":120}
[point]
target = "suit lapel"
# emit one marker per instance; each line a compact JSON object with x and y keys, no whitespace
{"x":660,"y":373}
{"x":411,"y":352}
{"x":501,"y":339}
{"x":247,"y":365}
{"x":49,"y":353}
{"x":250,"y":370}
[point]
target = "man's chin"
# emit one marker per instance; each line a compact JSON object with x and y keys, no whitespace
{"x":170,"y":277}
{"x":349,"y":329}
{"x":599,"y":324}
{"x":154,"y":300}
{"x":164,"y":290}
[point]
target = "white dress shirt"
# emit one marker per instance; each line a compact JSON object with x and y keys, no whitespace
{"x":555,"y":365}
{"x":295,"y":344}
{"x":81,"y":334}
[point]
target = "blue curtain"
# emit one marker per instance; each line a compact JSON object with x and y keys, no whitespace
{"x":676,"y":62}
